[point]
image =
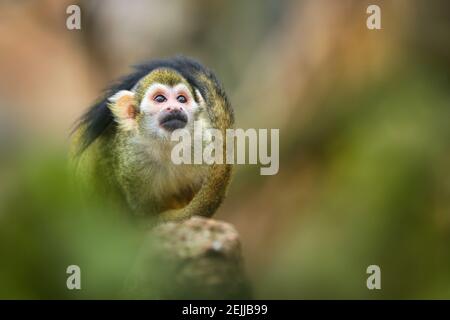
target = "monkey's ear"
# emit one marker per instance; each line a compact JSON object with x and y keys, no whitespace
{"x":124,"y":108}
{"x":201,"y":100}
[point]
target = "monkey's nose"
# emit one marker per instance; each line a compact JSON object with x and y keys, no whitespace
{"x":174,"y":109}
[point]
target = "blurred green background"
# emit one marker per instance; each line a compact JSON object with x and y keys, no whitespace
{"x":364,"y":141}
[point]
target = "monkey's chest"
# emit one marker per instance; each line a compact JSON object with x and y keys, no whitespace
{"x":167,"y":187}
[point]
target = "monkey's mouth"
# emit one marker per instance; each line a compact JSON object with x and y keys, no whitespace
{"x":173,"y":121}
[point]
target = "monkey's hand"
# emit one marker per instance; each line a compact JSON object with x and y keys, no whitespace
{"x":172,"y":215}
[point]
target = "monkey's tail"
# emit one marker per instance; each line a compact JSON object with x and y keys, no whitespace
{"x":220,"y":112}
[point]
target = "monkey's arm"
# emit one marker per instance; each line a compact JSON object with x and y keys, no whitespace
{"x":208,"y":198}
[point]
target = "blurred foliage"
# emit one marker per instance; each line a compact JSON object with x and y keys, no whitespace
{"x":383,"y":199}
{"x":45,"y":227}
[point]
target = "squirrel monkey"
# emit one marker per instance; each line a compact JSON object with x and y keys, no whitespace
{"x":123,"y":143}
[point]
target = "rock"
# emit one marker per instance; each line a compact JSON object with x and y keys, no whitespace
{"x":197,"y":258}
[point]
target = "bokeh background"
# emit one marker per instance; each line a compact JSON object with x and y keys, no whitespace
{"x":364,"y":140}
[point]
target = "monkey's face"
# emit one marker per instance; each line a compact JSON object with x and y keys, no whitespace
{"x":160,"y":103}
{"x":165,"y":108}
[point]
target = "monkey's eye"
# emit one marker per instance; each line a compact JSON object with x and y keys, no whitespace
{"x":181,"y":99}
{"x":160,"y":98}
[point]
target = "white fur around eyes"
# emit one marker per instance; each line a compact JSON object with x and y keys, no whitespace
{"x":146,"y":104}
